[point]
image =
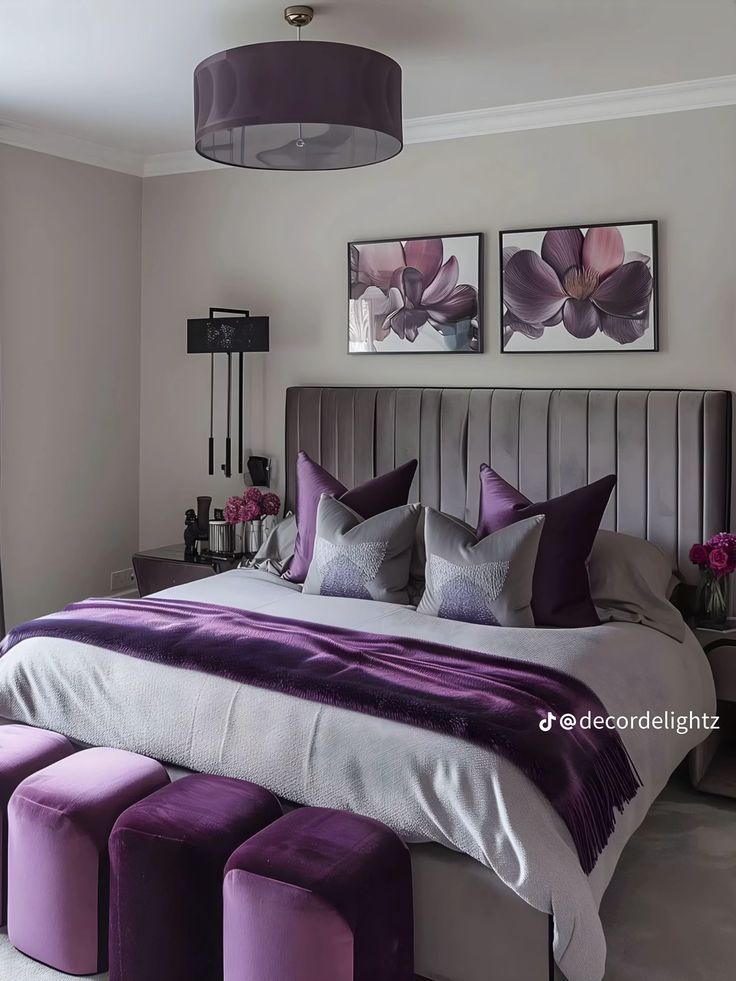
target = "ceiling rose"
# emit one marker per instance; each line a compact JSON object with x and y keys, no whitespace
{"x":298,"y":105}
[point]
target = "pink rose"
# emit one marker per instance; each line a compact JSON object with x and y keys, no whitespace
{"x":726,"y":542}
{"x":699,"y":555}
{"x":719,"y":561}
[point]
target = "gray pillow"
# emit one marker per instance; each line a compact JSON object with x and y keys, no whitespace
{"x":419,"y":560}
{"x":278,"y":549}
{"x":362,"y":558}
{"x":629,"y":581}
{"x":487,"y":581}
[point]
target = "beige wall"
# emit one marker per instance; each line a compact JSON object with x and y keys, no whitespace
{"x":276,"y":243}
{"x":70,"y":351}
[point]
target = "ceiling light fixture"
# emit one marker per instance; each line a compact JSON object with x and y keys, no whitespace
{"x":312,"y":105}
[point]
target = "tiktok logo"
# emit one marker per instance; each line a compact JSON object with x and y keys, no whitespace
{"x":546,"y":724}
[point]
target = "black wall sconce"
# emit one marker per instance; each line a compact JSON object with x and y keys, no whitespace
{"x":227,"y":331}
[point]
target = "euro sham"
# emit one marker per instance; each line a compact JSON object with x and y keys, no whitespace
{"x":629,"y":582}
{"x":389,"y":490}
{"x":561,"y":591}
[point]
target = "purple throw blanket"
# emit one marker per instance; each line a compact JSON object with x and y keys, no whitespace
{"x":496,"y":702}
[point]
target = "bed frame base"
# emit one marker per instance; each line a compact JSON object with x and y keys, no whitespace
{"x":469,"y":926}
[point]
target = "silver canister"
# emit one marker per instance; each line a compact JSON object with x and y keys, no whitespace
{"x":222,"y":537}
{"x":253,"y":537}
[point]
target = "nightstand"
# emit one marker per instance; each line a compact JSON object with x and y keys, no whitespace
{"x":160,"y":568}
{"x":713,"y":763}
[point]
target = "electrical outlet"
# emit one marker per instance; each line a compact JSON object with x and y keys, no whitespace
{"x":121,"y":580}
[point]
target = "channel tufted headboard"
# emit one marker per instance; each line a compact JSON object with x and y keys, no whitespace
{"x":669,"y":449}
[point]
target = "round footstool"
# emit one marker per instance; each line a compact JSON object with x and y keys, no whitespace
{"x":320,"y":895}
{"x":59,"y":821}
{"x":23,"y":750}
{"x":167,"y":859}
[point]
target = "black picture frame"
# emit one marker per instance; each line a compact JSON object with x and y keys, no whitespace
{"x":581,"y":348}
{"x":480,"y":236}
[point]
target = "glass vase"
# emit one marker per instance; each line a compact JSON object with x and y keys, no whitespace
{"x":712,"y":600}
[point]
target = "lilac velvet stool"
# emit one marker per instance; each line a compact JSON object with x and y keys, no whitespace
{"x":167,"y":860}
{"x":23,"y":750}
{"x":59,"y":821}
{"x":320,"y":895}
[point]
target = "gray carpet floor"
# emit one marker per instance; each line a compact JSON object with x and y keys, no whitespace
{"x":669,"y":913}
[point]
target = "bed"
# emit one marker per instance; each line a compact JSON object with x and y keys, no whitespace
{"x":499,"y":895}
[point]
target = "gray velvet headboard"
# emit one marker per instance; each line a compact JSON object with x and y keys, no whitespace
{"x":669,"y":449}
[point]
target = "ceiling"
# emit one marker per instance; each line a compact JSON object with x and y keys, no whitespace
{"x":119,"y":72}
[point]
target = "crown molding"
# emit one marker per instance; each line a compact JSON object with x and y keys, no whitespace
{"x":650,"y":100}
{"x":179,"y":162}
{"x":71,"y":148}
{"x":704,"y":93}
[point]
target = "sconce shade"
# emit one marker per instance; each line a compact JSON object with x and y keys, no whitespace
{"x":307,"y":105}
{"x":227,"y":335}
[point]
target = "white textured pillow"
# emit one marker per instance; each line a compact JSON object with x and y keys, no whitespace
{"x":629,"y":581}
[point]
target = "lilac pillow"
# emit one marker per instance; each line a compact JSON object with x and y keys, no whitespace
{"x":561,"y":589}
{"x":390,"y":490}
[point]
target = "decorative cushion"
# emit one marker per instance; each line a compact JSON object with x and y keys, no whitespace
{"x":320,"y":895}
{"x":561,"y":594}
{"x":59,"y":821}
{"x":487,"y":581}
{"x":167,"y":859}
{"x":277,"y":551}
{"x":23,"y":750}
{"x":390,"y":490}
{"x":419,"y":558}
{"x":362,"y":559}
{"x":629,"y":581}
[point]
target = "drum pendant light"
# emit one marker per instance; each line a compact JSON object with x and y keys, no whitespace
{"x":298,"y":105}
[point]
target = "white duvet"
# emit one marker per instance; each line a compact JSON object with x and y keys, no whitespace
{"x":428,"y":787}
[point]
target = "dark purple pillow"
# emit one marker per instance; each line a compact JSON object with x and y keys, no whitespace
{"x":561,"y":589}
{"x":390,"y":490}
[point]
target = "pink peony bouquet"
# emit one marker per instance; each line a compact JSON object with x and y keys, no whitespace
{"x":717,"y":555}
{"x":252,"y":506}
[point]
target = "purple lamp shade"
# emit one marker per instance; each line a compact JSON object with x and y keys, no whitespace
{"x":310,"y":105}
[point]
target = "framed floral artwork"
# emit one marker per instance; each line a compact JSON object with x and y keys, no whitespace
{"x":416,"y":295}
{"x":579,"y":288}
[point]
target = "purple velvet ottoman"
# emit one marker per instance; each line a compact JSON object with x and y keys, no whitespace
{"x":59,"y":821}
{"x":23,"y":750}
{"x":320,"y":895}
{"x":167,"y":860}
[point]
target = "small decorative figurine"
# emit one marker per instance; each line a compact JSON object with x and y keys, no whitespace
{"x":191,"y":533}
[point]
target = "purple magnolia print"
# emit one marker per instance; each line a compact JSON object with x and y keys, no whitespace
{"x":578,"y":286}
{"x":415,"y":294}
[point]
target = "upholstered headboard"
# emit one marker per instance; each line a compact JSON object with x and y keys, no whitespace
{"x":669,"y":449}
